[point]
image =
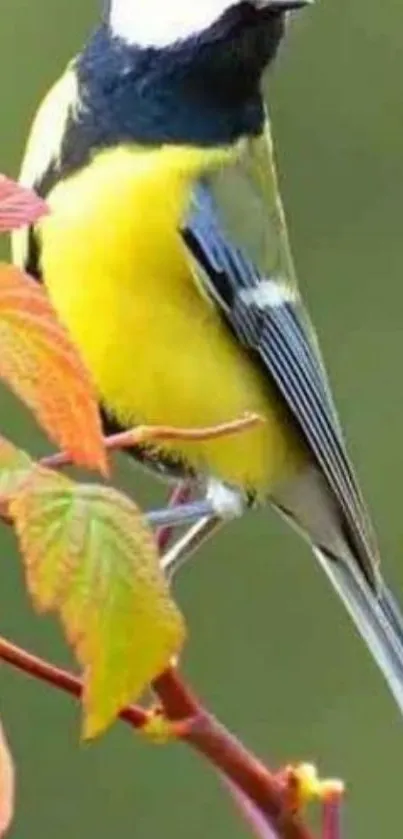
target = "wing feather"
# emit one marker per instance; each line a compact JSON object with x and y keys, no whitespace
{"x":278,"y":333}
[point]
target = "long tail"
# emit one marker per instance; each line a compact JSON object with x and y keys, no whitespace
{"x":376,"y":615}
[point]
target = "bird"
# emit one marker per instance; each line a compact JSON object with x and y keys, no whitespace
{"x":166,"y":256}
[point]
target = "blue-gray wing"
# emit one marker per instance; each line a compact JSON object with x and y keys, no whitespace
{"x":269,"y":320}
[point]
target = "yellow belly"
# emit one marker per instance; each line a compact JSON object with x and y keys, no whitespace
{"x":118,"y":274}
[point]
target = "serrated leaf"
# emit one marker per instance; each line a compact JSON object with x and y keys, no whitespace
{"x":90,"y":555}
{"x":19,"y":206}
{"x":15,"y":465}
{"x":7,"y":783}
{"x":39,"y":362}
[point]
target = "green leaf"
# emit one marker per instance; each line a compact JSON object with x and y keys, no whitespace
{"x":90,"y":555}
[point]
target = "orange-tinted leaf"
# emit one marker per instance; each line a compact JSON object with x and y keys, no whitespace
{"x":7,"y":781}
{"x":15,"y":465}
{"x":90,"y":555}
{"x":39,"y":362}
{"x":19,"y":206}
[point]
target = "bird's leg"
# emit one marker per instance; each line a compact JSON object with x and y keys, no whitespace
{"x":181,"y":494}
{"x":184,"y":547}
{"x":226,"y":504}
{"x":182,"y":514}
{"x":220,"y":501}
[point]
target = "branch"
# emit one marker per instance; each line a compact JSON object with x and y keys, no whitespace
{"x":332,"y":815}
{"x":195,"y":726}
{"x":211,"y":739}
{"x":61,"y":679}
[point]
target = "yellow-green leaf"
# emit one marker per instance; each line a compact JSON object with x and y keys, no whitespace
{"x":15,"y":465}
{"x":90,"y":555}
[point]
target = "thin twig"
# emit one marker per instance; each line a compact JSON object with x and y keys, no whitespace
{"x":61,"y":679}
{"x":332,"y":811}
{"x":186,"y":545}
{"x":163,"y":433}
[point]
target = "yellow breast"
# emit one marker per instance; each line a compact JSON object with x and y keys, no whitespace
{"x":119,"y":276}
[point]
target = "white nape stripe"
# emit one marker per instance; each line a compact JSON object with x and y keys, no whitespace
{"x":268,"y":294}
{"x":160,"y":23}
{"x":45,"y":141}
{"x":44,"y":145}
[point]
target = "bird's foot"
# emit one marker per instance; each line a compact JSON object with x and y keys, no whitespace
{"x":220,"y":504}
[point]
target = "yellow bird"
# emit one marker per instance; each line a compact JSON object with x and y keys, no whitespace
{"x":166,"y":255}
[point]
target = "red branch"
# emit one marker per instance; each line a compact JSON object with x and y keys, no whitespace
{"x":332,"y":816}
{"x":196,"y":727}
{"x":211,"y":739}
{"x":61,"y":679}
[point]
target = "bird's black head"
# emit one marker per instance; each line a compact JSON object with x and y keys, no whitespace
{"x":180,"y":71}
{"x":229,"y":41}
{"x":232,"y":53}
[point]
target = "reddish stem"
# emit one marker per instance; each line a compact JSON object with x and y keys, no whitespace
{"x":332,"y":817}
{"x":178,"y":701}
{"x":208,"y":737}
{"x":143,"y":434}
{"x":58,"y":678}
{"x":163,"y":433}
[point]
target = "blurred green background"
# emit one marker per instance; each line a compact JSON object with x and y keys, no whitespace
{"x":271,"y":649}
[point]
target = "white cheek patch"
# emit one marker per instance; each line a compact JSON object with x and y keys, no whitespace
{"x":160,"y":23}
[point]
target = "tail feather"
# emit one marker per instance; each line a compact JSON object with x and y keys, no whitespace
{"x":376,"y":615}
{"x":392,"y":608}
